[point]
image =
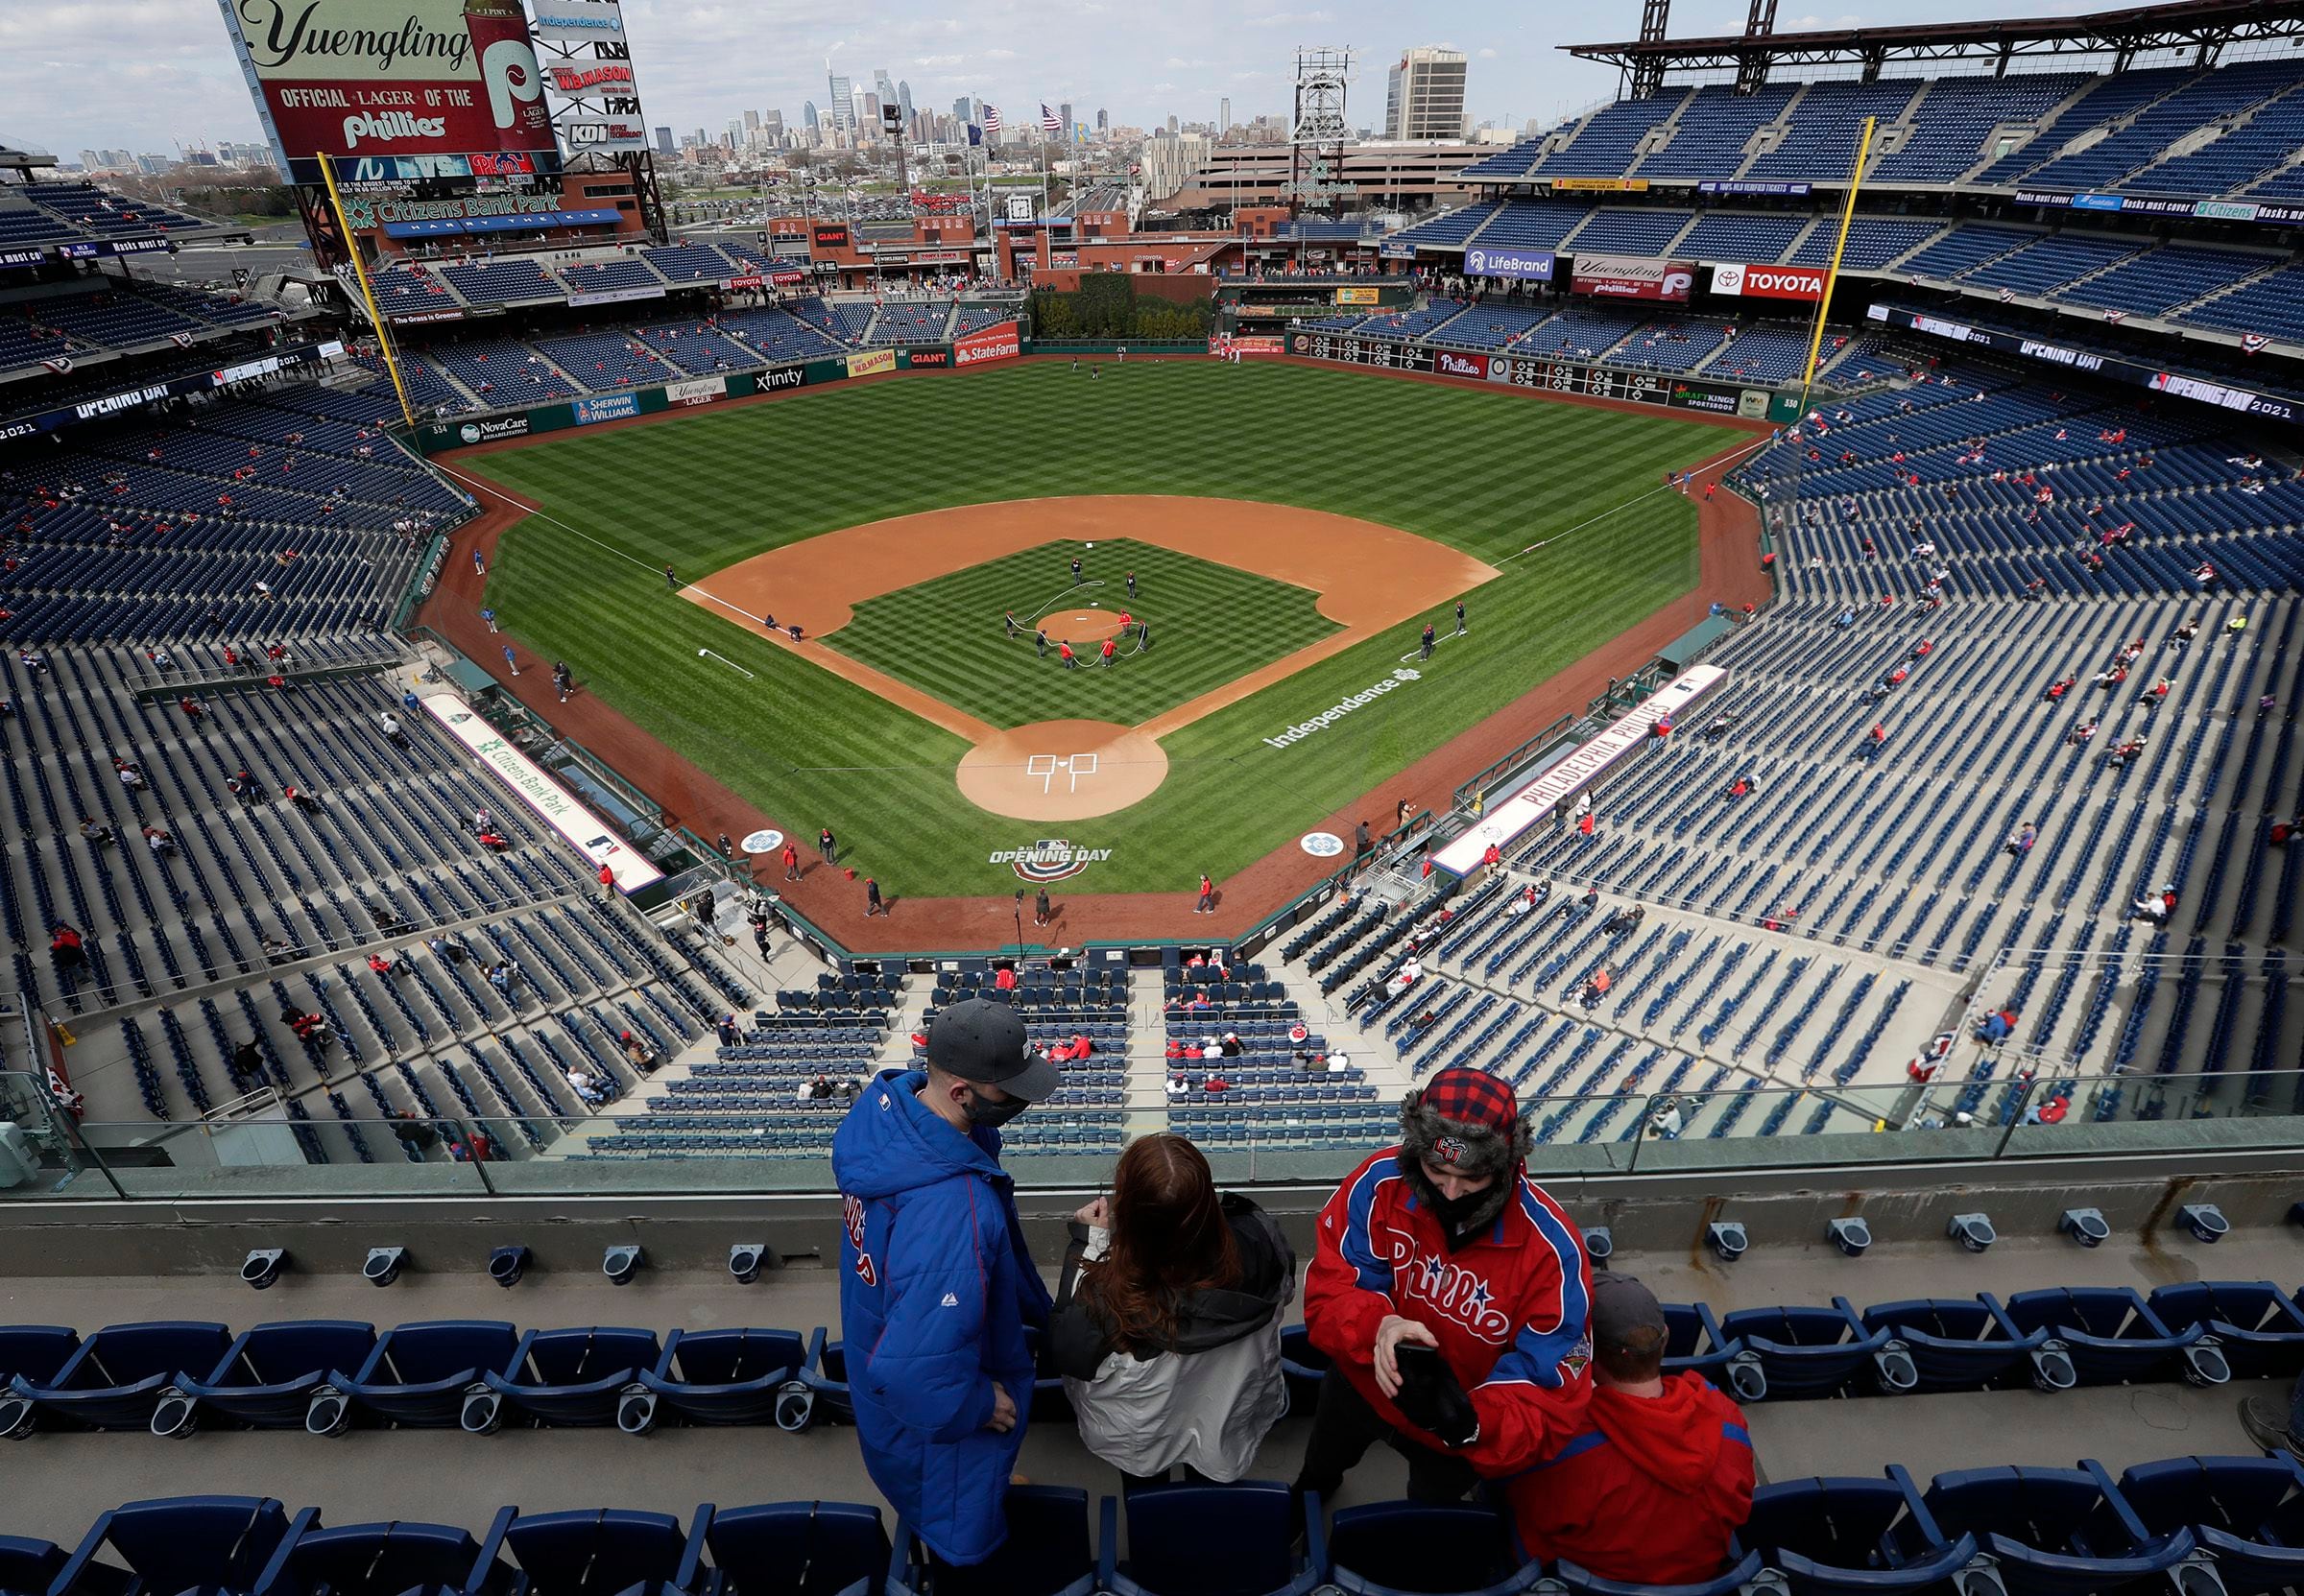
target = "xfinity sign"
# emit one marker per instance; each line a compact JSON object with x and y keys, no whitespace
{"x":1527,"y":265}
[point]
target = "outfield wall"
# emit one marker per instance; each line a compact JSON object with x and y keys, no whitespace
{"x":1589,"y":378}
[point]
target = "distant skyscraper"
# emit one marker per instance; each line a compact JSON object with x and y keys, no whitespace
{"x":1224,"y":116}
{"x":842,"y":103}
{"x":751,"y":121}
{"x":664,"y":142}
{"x":1171,"y":121}
{"x":904,"y":98}
{"x":1103,"y":121}
{"x":808,"y":114}
{"x":1064,"y":112}
{"x":1424,"y":95}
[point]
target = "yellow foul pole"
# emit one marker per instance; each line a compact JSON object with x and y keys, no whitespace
{"x":1831,"y":272}
{"x":392,"y":363}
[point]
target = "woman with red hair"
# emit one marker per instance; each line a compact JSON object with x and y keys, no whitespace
{"x":1166,"y":1327}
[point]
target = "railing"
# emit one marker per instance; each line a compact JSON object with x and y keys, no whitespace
{"x":1725,"y":1132}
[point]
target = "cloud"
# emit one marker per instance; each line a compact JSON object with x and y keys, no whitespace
{"x":1487,"y":55}
{"x":1289,"y":19}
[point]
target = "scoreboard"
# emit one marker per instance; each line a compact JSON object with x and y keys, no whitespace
{"x":1555,"y":376}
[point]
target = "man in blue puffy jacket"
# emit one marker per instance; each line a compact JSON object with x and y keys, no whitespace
{"x":935,"y":1284}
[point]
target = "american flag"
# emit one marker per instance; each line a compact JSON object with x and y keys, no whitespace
{"x":1050,"y":122}
{"x":991,"y":121}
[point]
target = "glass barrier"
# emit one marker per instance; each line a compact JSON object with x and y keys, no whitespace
{"x":1263,"y":1134}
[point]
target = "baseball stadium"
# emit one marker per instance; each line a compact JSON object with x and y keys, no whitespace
{"x":1760,"y":618}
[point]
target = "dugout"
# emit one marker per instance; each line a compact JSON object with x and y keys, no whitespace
{"x":1693,"y":644}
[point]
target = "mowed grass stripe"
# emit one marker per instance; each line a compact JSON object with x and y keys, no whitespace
{"x":1487,"y":473}
{"x":1209,"y":625}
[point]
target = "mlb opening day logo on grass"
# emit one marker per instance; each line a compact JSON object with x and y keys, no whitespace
{"x":1050,"y":859}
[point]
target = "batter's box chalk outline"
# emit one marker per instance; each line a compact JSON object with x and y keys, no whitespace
{"x":1074,"y":766}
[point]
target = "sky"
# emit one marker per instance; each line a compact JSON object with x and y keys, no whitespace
{"x":148,"y":74}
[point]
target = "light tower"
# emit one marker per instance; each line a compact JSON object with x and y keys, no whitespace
{"x":1318,"y":130}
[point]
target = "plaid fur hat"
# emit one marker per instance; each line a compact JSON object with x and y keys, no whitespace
{"x":1467,"y":1119}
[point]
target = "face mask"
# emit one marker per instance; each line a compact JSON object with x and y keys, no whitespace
{"x":984,"y":1110}
{"x":1454,"y":1211}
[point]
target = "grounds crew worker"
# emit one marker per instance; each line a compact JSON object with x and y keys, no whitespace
{"x":1443,"y":1242}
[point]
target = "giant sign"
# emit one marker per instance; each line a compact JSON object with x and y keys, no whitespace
{"x":585,"y":134}
{"x":1528,"y":265}
{"x":579,"y":19}
{"x":1769,"y":282}
{"x":551,"y":803}
{"x":349,"y":78}
{"x":1628,"y":278}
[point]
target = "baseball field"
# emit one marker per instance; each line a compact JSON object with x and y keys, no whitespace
{"x":1290,"y":531}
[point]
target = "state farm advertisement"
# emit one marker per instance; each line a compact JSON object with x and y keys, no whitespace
{"x":1769,"y":282}
{"x":344,"y":78}
{"x":1628,"y":278}
{"x":999,"y":342}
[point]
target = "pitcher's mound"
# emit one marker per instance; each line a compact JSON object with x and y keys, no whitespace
{"x":1081,"y":625}
{"x":1061,"y":769}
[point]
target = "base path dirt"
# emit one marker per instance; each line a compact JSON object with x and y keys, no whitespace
{"x":1728,"y":540}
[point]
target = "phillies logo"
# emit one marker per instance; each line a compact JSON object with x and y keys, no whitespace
{"x":852,"y":1220}
{"x":1451,"y":1150}
{"x":1453,"y":1291}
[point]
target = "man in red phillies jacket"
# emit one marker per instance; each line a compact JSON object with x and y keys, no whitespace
{"x":1443,"y":1242}
{"x":1660,"y":1475}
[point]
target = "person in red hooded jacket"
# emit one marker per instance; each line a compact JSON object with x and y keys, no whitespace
{"x":1660,"y":1476}
{"x":1444,"y":1243}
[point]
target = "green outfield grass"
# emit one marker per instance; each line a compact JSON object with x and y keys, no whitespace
{"x":1209,"y":624}
{"x":1488,"y":472}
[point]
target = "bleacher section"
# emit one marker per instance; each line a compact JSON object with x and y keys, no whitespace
{"x":1711,"y":134}
{"x":1958,"y":117}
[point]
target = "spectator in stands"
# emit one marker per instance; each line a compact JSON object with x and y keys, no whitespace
{"x":2021,"y":840}
{"x":303,"y":801}
{"x":1659,"y":1479}
{"x":388,"y":921}
{"x":588,"y":1088}
{"x":2156,"y":695}
{"x":637,"y":1051}
{"x":247,"y":1064}
{"x":390,"y":725}
{"x":94,"y":834}
{"x":935,"y":1286}
{"x":1003,"y":978}
{"x":1442,"y":1243}
{"x":163,"y":846}
{"x":1230,"y":1044}
{"x":1626,"y":921}
{"x":504,"y":975}
{"x":2185,"y":634}
{"x":1528,"y":900}
{"x":2081,"y":734}
{"x":413,"y":1134}
{"x":2057,"y":689}
{"x":2126,"y":752}
{"x":1215,"y":1084}
{"x":65,"y":953}
{"x":130,"y":777}
{"x":1665,"y":1122}
{"x":2156,"y":907}
{"x":1403,"y":978}
{"x":1166,"y":1322}
{"x":475,"y":1148}
{"x":1740,"y":787}
{"x":447,"y":952}
{"x":730,"y":1033}
{"x":1180,"y":1085}
{"x":2280,"y":832}
{"x":381,"y":965}
{"x":279,"y":950}
{"x":495,"y":842}
{"x":1597,"y":987}
{"x":1996,"y":1027}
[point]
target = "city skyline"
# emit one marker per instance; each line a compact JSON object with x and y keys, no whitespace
{"x":185,"y":88}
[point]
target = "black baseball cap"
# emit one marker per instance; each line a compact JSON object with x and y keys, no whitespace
{"x":984,"y":1041}
{"x":1626,"y":1316}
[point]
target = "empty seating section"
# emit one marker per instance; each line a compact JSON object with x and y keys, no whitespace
{"x":2043,"y":266}
{"x":1873,"y":241}
{"x":601,"y":277}
{"x":2112,"y":160}
{"x":1421,"y":322}
{"x":1670,"y":344}
{"x":1532,"y":224}
{"x":1761,"y":354}
{"x":906,"y":322}
{"x":1490,"y":326}
{"x":2110,"y":98}
{"x":698,"y":348}
{"x":1727,"y":235}
{"x":692,"y":263}
{"x":604,"y":360}
{"x":498,"y":371}
{"x":119,"y":315}
{"x":2160,"y":279}
{"x":1713,"y":131}
{"x":410,"y":287}
{"x":1584,"y":331}
{"x":1620,"y":231}
{"x":1956,"y":117}
{"x":776,"y":335}
{"x":1964,"y":249}
{"x":977,"y":317}
{"x":848,"y":320}
{"x":1450,"y":227}
{"x":2273,"y":300}
{"x":105,"y":214}
{"x":1603,"y":147}
{"x":2269,"y":138}
{"x":113,"y":316}
{"x":1825,"y":126}
{"x":1512,"y":164}
{"x":502,"y":281}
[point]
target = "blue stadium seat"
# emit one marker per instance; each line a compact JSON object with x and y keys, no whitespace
{"x":389,"y":1560}
{"x":27,"y":1566}
{"x":573,"y":1376}
{"x":1739,"y":1576}
{"x":795,"y":1549}
{"x":1302,"y":1368}
{"x":266,"y":1377}
{"x":2256,"y":1324}
{"x":2247,"y":1512}
{"x":2056,"y":1531}
{"x":1818,"y":1351}
{"x":118,"y":1375}
{"x":1694,"y":1340}
{"x":1047,"y":1553}
{"x":175,"y":1543}
{"x":605,"y":1552}
{"x":735,"y":1376}
{"x":1854,"y":1537}
{"x":418,"y":1375}
{"x":1386,"y":1548}
{"x":1966,"y":1344}
{"x":1210,"y":1541}
{"x":2114,"y":1337}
